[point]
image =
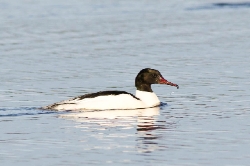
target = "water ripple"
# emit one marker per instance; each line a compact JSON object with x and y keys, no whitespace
{"x":22,"y":111}
{"x":223,"y":5}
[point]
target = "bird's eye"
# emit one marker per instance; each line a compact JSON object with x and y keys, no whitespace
{"x":154,"y":75}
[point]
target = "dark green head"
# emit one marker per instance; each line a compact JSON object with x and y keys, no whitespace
{"x":148,"y":76}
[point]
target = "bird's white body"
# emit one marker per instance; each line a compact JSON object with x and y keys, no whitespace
{"x":121,"y":101}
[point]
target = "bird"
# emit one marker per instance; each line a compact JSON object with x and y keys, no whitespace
{"x":114,"y":100}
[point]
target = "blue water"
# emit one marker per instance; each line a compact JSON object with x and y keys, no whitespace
{"x":55,"y":50}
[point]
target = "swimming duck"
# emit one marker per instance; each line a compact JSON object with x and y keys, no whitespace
{"x":108,"y":100}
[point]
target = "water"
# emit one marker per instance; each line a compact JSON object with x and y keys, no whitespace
{"x":52,"y":51}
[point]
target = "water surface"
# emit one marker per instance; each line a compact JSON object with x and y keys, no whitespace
{"x":51,"y":51}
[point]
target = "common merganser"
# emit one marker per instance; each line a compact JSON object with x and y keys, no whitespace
{"x":108,"y":100}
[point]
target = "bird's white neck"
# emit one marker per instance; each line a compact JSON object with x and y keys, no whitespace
{"x":149,"y":98}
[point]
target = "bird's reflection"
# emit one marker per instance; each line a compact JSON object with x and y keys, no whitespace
{"x":143,"y":117}
{"x":145,"y":120}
